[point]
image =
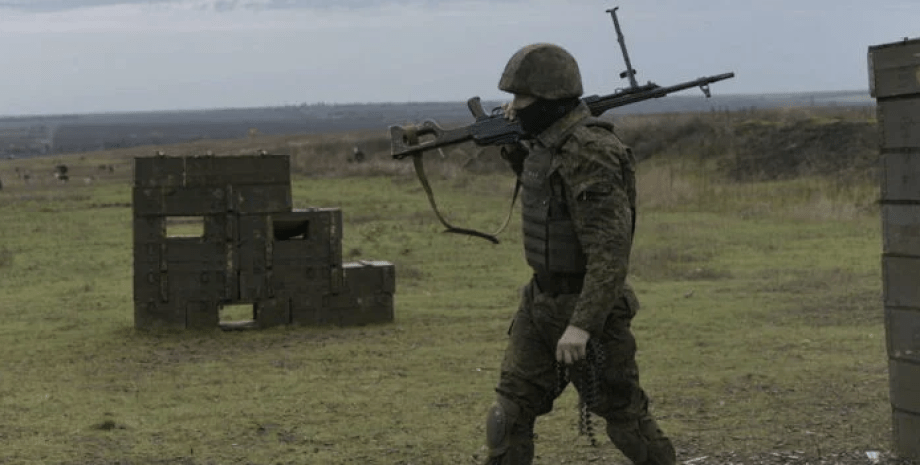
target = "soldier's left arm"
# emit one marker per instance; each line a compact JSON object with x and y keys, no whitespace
{"x":597,"y":194}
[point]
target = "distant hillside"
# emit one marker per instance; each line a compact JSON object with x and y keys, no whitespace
{"x":767,"y":144}
{"x":733,"y":147}
{"x":29,"y":136}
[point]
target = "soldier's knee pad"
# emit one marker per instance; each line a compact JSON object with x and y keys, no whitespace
{"x":642,"y":442}
{"x":502,"y":416}
{"x":509,"y":434}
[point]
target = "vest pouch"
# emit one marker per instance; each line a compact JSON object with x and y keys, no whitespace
{"x":564,"y":252}
{"x":592,"y":191}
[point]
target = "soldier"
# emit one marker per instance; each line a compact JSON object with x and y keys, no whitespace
{"x":60,"y":173}
{"x":357,"y":155}
{"x":573,"y":323}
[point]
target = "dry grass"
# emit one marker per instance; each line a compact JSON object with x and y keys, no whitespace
{"x":661,"y":185}
{"x":665,"y":185}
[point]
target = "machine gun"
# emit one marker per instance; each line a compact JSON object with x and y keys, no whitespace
{"x":494,"y":129}
{"x":491,"y":129}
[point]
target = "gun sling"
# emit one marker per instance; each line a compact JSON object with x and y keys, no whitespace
{"x":423,"y":179}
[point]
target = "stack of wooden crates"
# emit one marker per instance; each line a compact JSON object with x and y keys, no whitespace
{"x":252,"y":248}
{"x":894,"y":76}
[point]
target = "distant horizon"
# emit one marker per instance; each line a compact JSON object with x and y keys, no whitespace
{"x":332,"y":104}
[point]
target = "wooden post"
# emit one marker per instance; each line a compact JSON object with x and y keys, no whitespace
{"x":894,"y":81}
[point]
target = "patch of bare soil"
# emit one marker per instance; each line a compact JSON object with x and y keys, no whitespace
{"x":799,"y":458}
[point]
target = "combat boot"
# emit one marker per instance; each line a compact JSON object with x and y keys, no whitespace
{"x":643,"y":442}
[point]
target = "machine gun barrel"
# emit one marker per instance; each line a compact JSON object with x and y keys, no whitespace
{"x":601,"y":103}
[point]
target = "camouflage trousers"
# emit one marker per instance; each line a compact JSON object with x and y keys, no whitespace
{"x":531,"y":380}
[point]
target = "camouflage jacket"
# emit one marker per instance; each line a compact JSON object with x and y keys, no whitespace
{"x":598,"y":174}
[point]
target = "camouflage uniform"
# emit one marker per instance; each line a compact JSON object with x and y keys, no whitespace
{"x":579,"y":211}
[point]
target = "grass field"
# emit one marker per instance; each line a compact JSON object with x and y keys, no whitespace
{"x":761,"y":335}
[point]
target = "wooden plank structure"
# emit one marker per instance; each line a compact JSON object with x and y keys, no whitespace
{"x":894,"y":81}
{"x":253,"y":249}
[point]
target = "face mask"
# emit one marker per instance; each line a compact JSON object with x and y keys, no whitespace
{"x":538,"y":116}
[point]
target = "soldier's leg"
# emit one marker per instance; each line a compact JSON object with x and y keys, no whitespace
{"x":509,"y":434}
{"x":619,"y":397}
{"x":528,"y":385}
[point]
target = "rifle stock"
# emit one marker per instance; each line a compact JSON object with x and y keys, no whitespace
{"x":404,"y":140}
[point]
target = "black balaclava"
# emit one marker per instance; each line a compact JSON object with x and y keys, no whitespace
{"x":538,"y":116}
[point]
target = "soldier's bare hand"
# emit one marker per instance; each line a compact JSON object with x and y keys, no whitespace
{"x":507,"y":111}
{"x":572,"y":345}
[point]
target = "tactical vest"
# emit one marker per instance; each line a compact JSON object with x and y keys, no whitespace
{"x":550,"y":242}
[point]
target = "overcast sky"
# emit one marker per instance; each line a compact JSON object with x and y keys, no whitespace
{"x":75,"y":56}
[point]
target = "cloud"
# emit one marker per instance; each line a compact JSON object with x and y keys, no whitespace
{"x":133,"y":17}
{"x":108,"y":55}
{"x":47,"y":6}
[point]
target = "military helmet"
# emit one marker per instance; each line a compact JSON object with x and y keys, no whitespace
{"x":544,"y":71}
